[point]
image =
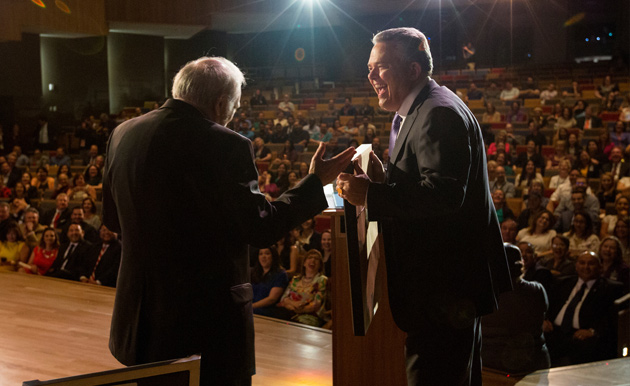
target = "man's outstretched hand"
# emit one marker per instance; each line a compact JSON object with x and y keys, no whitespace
{"x":328,"y":170}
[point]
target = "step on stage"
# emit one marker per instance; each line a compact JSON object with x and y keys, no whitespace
{"x":52,"y":328}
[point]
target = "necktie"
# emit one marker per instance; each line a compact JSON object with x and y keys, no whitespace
{"x":100,"y":255}
{"x":567,"y":320}
{"x":69,"y":251}
{"x":393,"y":134}
{"x":56,"y":219}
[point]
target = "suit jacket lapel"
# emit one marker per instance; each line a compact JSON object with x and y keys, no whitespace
{"x":410,"y":119}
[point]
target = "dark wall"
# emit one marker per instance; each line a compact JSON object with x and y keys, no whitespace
{"x":78,"y":70}
{"x":135,"y":70}
{"x":178,"y":52}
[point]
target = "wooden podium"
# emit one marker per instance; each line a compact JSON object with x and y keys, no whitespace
{"x":378,"y":357}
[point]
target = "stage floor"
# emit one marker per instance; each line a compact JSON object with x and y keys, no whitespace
{"x":53,"y":328}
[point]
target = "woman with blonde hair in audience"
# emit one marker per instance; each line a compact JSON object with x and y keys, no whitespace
{"x":622,"y":232}
{"x":613,"y":266}
{"x":44,"y":254}
{"x":563,"y":175}
{"x":622,"y":205}
{"x":305,"y":296}
{"x":553,"y":163}
{"x":539,"y":233}
{"x":560,"y":263}
{"x":13,"y":249}
{"x":80,"y":189}
{"x":89,"y":213}
{"x":582,"y":236}
{"x":491,"y":115}
{"x":269,"y":281}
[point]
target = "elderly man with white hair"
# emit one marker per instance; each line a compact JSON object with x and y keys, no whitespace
{"x":175,"y":297}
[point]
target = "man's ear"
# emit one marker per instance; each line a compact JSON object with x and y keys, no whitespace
{"x":415,"y":70}
{"x":219,"y":109}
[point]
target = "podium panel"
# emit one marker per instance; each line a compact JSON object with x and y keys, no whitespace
{"x":378,"y":357}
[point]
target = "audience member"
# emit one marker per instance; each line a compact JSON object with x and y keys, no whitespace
{"x":269,"y":281}
{"x":533,"y":270}
{"x":560,"y":262}
{"x":13,"y":249}
{"x":347,"y":108}
{"x":501,"y":207}
{"x":535,"y":135}
{"x":103,"y":260}
{"x":31,"y":229}
{"x":529,"y":88}
{"x":303,"y":301}
{"x":607,"y":87}
{"x":581,"y":320}
{"x":622,"y":233}
{"x":585,"y":165}
{"x":366,"y":110}
{"x":619,"y":136}
{"x":258,"y":99}
{"x":501,"y":183}
{"x":566,"y":120}
{"x":60,"y":158}
{"x":44,"y":253}
{"x":509,"y":230}
{"x":622,"y":205}
{"x":581,"y":235}
{"x":589,"y":120}
{"x":564,"y":213}
{"x":513,"y":339}
{"x":492,"y":94}
{"x":533,"y":206}
{"x":72,"y":255}
{"x":58,"y":217}
{"x":613,"y":266}
{"x":5,"y":220}
{"x":524,"y":179}
{"x":77,"y":217}
{"x":509,"y":92}
{"x":515,"y":114}
{"x":549,"y":93}
{"x":573,"y":91}
{"x":539,"y":233}
{"x":89,"y":213}
{"x":286,"y":106}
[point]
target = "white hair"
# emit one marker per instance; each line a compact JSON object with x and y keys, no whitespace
{"x":203,"y":82}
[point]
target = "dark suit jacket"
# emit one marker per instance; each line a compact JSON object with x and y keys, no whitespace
{"x":624,"y":169}
{"x":90,"y":233}
{"x":183,"y":286}
{"x":76,"y":261}
{"x":107,"y":269}
{"x":597,"y":310}
{"x":443,"y":246}
{"x":47,"y":218}
{"x":596,"y":122}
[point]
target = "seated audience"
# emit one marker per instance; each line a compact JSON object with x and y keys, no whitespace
{"x":261,"y":152}
{"x":269,"y":281}
{"x":327,"y":252}
{"x":565,"y":211}
{"x":549,"y":93}
{"x":499,"y":144}
{"x":63,"y":186}
{"x":617,"y":167}
{"x":60,"y":158}
{"x":509,"y":93}
{"x":501,"y":183}
{"x":581,"y":323}
{"x":13,"y":250}
{"x":622,"y":205}
{"x":80,"y":189}
{"x":586,"y":166}
{"x":77,"y":217}
{"x":509,"y":230}
{"x":560,"y":262}
{"x":553,"y":163}
{"x":44,"y":254}
{"x":607,"y":87}
{"x":31,"y":229}
{"x":308,"y":237}
{"x":58,"y":217}
{"x":566,"y":120}
{"x":89,"y":213}
{"x":103,"y":260}
{"x":536,"y":186}
{"x":515,"y":114}
{"x":622,"y":232}
{"x":303,"y":301}
{"x":531,"y":155}
{"x":613,"y":266}
{"x":491,"y":115}
{"x":539,"y":233}
{"x":534,"y":206}
{"x":527,"y":176}
{"x":619,"y":136}
{"x":43,"y":182}
{"x":589,"y":120}
{"x":72,"y":255}
{"x":533,"y":270}
{"x":501,"y":207}
{"x":581,"y":235}
{"x":513,"y":340}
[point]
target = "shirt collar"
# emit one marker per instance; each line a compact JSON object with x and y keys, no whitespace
{"x":403,"y":111}
{"x":589,"y":284}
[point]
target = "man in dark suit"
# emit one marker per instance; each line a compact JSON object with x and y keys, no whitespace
{"x":58,"y":217}
{"x":589,"y":121}
{"x":446,"y":262}
{"x":72,"y":256}
{"x":185,"y":290}
{"x":617,"y":167}
{"x":103,"y":260}
{"x":581,"y":325}
{"x":77,"y":217}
